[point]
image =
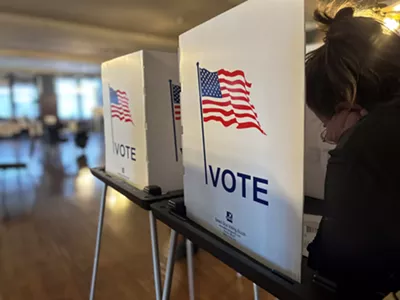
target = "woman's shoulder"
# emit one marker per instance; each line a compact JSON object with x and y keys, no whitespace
{"x":378,"y":133}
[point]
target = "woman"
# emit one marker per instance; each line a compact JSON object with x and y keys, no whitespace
{"x":353,"y":86}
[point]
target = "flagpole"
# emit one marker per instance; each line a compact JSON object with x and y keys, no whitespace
{"x":202,"y":124}
{"x":112,"y":127}
{"x":173,"y":117}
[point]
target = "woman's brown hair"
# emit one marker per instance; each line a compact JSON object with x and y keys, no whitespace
{"x":359,"y":63}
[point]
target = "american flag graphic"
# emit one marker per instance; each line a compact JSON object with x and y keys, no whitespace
{"x":120,"y":106}
{"x":225,"y":97}
{"x":175,"y":92}
{"x":176,"y":95}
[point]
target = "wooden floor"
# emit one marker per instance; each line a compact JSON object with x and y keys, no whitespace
{"x":48,"y":219}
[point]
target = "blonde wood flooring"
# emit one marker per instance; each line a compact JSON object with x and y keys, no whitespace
{"x":48,"y":219}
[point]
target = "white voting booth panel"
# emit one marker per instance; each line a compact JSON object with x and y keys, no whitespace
{"x":141,"y":95}
{"x":316,"y":151}
{"x":243,"y":137}
{"x":315,"y":162}
{"x":315,"y":157}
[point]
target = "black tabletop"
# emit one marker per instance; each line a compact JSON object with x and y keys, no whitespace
{"x":12,"y":166}
{"x":242,"y":263}
{"x":139,"y":197}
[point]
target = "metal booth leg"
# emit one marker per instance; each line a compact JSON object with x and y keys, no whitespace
{"x":156,"y":257}
{"x":98,"y":243}
{"x":255,"y":289}
{"x":189,"y":257}
{"x":170,"y":265}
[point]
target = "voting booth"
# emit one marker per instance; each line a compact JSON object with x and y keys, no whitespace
{"x":242,"y":81}
{"x":316,"y":155}
{"x":316,"y":152}
{"x":142,"y":121}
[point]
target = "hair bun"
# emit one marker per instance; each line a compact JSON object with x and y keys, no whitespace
{"x":325,"y":21}
{"x":346,"y":12}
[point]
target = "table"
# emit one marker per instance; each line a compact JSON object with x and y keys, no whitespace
{"x":12,"y":166}
{"x":143,"y":200}
{"x":256,"y":272}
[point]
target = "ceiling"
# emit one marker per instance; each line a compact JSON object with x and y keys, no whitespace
{"x":91,"y":31}
{"x":87,"y":32}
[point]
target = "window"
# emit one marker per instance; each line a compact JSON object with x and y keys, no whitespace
{"x":26,"y":100}
{"x":5,"y":103}
{"x":76,"y":98}
{"x":67,"y":98}
{"x":90,"y":96}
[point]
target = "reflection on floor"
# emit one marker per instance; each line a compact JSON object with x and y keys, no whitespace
{"x":48,"y":219}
